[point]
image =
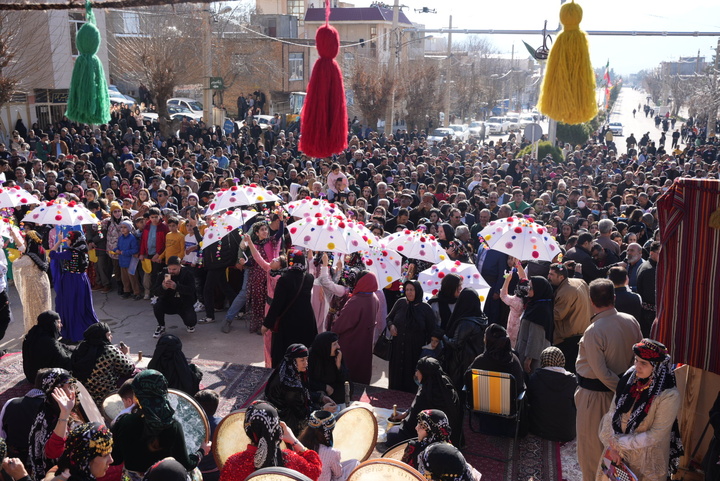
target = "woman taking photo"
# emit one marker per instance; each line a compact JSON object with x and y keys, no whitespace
{"x":410,"y":322}
{"x":265,"y":430}
{"x":73,"y":299}
{"x":537,"y":323}
{"x":641,"y":428}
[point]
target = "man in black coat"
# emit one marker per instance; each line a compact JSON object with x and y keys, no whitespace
{"x":625,"y":300}
{"x":581,"y":255}
{"x":646,"y":281}
{"x":175,"y":291}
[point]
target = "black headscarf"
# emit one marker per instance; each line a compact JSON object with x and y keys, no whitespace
{"x":449,"y":235}
{"x":288,"y":372}
{"x":167,"y":469}
{"x":321,"y":365}
{"x":497,"y":344}
{"x":467,"y":307}
{"x":444,"y":462}
{"x":45,"y":327}
{"x":262,"y":426}
{"x":92,"y":346}
{"x":170,"y":360}
{"x":446,"y":296}
{"x":539,"y":307}
{"x":79,"y":247}
{"x":435,"y":385}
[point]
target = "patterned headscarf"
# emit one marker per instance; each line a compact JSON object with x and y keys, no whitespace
{"x":262,"y":426}
{"x":523,"y":288}
{"x":85,"y":443}
{"x":635,"y":395}
{"x":53,"y":378}
{"x":444,"y":462}
{"x":323,"y":420}
{"x":3,"y":449}
{"x":296,"y":260}
{"x":552,"y":357}
{"x":151,"y":390}
{"x":437,"y":425}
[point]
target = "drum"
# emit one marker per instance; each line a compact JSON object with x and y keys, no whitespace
{"x":112,"y":406}
{"x":397,"y":451}
{"x":89,"y":410}
{"x":230,"y":437}
{"x":381,"y":469}
{"x":355,"y":433}
{"x":276,"y":474}
{"x":191,"y":417}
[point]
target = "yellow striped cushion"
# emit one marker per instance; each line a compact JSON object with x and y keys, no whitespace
{"x":492,"y":392}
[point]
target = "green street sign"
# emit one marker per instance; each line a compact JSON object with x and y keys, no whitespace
{"x":216,"y":83}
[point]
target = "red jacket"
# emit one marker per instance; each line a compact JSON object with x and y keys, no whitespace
{"x":162,"y":230}
{"x":240,"y":465}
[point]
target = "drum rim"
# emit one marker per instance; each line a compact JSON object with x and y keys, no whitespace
{"x":216,"y":455}
{"x":407,"y":468}
{"x":83,"y":410}
{"x":371,"y":449}
{"x":291,"y":473}
{"x":197,"y":406}
{"x":397,"y":445}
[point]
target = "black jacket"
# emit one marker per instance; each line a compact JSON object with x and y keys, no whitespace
{"x":466,"y":344}
{"x":228,"y":247}
{"x":590,"y":270}
{"x":40,"y":350}
{"x":551,"y":396}
{"x":185,"y":288}
{"x":628,"y":302}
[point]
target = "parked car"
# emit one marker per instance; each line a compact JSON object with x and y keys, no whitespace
{"x":461,"y":132}
{"x":263,"y":122}
{"x":616,"y":128}
{"x":526,"y":119}
{"x":477,"y":130}
{"x":186,"y":103}
{"x":438,"y":135}
{"x":117,"y":98}
{"x":497,"y":125}
{"x":174,"y":112}
{"x":513,"y":121}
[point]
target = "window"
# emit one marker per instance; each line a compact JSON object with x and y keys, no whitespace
{"x":77,"y":20}
{"x":296,"y":66}
{"x":297,"y":9}
{"x":131,"y":23}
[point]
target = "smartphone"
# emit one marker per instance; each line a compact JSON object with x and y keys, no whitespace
{"x":167,"y":277}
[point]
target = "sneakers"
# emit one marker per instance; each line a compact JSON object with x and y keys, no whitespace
{"x":206,"y":320}
{"x":159,"y":331}
{"x":226,"y":327}
{"x":190,"y":329}
{"x":199,"y":306}
{"x":137,"y":297}
{"x":126,"y":295}
{"x":147,"y":296}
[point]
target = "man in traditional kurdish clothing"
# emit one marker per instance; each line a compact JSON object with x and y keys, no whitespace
{"x":605,"y":354}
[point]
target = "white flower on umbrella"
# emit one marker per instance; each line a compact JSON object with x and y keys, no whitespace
{"x":240,"y":195}
{"x":523,"y":239}
{"x":430,"y":279}
{"x":313,"y":208}
{"x":416,"y":244}
{"x":330,"y":234}
{"x":386,"y":264}
{"x":15,"y":196}
{"x":58,"y":212}
{"x":224,"y":224}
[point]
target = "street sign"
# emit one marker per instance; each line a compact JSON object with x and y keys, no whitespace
{"x":533,"y":132}
{"x":228,"y":126}
{"x":216,"y":83}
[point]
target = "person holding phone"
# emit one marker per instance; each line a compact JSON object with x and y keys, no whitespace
{"x":175,"y":290}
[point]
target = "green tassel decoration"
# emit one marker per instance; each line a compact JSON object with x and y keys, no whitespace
{"x":88,"y":101}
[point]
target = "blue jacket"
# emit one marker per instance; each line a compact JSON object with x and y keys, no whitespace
{"x":129,"y":246}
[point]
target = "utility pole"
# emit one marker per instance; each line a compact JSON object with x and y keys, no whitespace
{"x":448,"y":71}
{"x":712,"y":116}
{"x":207,"y":53}
{"x":393,"y":66}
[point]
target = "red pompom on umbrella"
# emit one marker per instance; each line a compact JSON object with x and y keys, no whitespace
{"x":323,"y":120}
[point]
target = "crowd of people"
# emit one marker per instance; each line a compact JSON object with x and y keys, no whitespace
{"x":574,"y":332}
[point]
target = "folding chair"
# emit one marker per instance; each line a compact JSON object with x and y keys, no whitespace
{"x":493,"y":393}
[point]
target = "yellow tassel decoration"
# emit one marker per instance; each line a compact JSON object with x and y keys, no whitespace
{"x":568,"y":89}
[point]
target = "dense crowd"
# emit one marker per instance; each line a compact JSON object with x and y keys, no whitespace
{"x":580,"y":322}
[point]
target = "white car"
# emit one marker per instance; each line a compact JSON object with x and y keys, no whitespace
{"x":514,"y":121}
{"x":117,"y":98}
{"x":477,"y":130}
{"x":174,"y":112}
{"x":616,"y":128}
{"x":438,"y":135}
{"x":262,"y":120}
{"x":461,"y":132}
{"x":527,"y":119}
{"x":186,"y":103}
{"x":497,"y":125}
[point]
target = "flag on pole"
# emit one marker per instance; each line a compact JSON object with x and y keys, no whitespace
{"x":606,"y":77}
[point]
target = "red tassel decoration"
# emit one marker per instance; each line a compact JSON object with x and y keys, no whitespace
{"x":323,"y":120}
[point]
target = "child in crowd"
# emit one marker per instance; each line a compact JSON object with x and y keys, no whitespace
{"x":209,"y":401}
{"x":174,"y":240}
{"x":318,"y":436}
{"x":436,"y":346}
{"x":127,"y":250}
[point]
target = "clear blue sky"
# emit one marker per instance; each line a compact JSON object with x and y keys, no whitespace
{"x":626,"y":54}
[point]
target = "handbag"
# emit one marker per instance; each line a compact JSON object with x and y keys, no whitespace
{"x":382,"y":346}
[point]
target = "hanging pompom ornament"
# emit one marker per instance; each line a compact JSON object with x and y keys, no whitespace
{"x":568,"y":89}
{"x":88,"y":100}
{"x":323,"y":120}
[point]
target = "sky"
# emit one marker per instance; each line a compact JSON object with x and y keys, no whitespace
{"x":626,"y":54}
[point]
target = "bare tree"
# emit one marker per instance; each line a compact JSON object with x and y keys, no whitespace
{"x":419,"y":80}
{"x":680,"y":89}
{"x":653,"y":83}
{"x":372,"y":89}
{"x":7,"y":54}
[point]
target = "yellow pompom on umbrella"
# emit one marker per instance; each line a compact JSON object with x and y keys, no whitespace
{"x":568,"y":89}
